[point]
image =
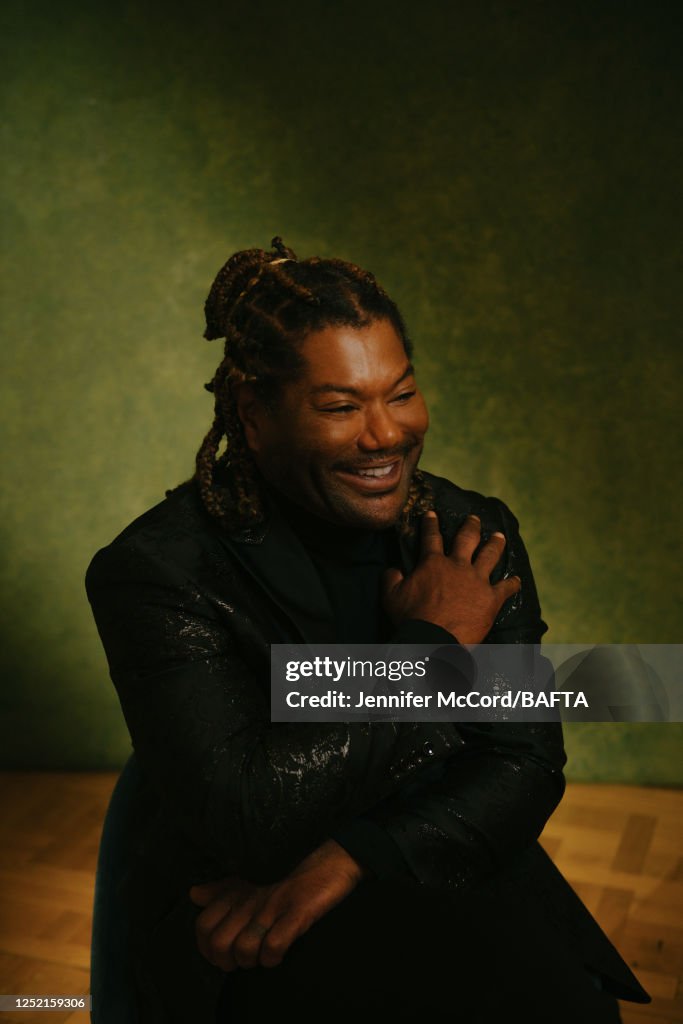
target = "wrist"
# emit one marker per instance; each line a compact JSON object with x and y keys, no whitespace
{"x":335,"y":854}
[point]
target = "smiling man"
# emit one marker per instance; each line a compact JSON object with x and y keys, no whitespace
{"x":330,"y":870}
{"x":345,"y":439}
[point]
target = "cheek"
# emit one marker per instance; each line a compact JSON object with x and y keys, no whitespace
{"x":417,"y":417}
{"x":326,"y":439}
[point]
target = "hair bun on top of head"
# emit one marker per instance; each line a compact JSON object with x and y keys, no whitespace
{"x":234,"y":279}
{"x":281,"y":250}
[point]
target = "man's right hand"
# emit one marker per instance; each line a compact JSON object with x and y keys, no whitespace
{"x":451,"y":590}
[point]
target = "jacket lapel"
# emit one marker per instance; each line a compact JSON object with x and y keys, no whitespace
{"x":278,"y":561}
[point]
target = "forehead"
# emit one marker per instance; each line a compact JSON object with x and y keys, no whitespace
{"x":353,"y":357}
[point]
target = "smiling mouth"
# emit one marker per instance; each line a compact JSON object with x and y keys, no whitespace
{"x":375,"y":472}
{"x":374,"y":479}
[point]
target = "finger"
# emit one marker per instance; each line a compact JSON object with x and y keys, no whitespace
{"x":217,"y":946}
{"x":390,"y":580}
{"x":284,"y":932}
{"x":507,"y":588}
{"x":223,"y":919}
{"x":430,"y":535}
{"x":489,"y":554}
{"x":466,"y":540}
{"x":213,"y":914}
{"x":247,"y":945}
{"x":203,"y":894}
{"x":208,"y":921}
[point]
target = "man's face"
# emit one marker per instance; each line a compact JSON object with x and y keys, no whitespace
{"x":344,"y":439}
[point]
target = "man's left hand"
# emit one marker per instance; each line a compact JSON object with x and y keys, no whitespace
{"x":248,"y":925}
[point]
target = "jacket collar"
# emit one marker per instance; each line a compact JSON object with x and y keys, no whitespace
{"x":273,"y":554}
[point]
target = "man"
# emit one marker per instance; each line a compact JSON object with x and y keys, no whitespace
{"x":343,"y":868}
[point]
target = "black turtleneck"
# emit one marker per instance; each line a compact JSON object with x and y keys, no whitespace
{"x":350,"y":562}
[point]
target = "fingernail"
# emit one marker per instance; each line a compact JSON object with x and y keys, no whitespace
{"x":497,"y":533}
{"x":474,"y":518}
{"x":431,"y":513}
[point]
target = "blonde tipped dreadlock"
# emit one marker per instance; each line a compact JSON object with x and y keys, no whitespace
{"x":264,"y":304}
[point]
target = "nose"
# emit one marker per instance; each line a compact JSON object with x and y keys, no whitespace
{"x":380,"y":429}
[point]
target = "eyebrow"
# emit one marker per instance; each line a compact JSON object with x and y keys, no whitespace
{"x":323,"y":388}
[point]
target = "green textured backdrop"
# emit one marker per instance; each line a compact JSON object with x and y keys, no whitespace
{"x":510,"y":172}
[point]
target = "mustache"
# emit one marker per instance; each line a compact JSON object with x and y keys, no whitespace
{"x":379,"y":458}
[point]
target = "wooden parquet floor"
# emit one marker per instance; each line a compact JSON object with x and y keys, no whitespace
{"x":621,"y":847}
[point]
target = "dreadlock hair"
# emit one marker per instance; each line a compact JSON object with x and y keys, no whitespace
{"x":264,"y":304}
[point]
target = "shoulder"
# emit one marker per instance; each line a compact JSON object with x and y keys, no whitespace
{"x":519,"y":619}
{"x":175,"y":536}
{"x":453,"y":503}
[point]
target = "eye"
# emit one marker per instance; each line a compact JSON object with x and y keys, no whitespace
{"x":340,"y":408}
{"x":404,"y":396}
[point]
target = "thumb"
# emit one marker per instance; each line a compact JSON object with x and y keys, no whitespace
{"x":390,"y":580}
{"x":203,"y":894}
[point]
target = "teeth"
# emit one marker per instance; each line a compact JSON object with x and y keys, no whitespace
{"x":379,"y":471}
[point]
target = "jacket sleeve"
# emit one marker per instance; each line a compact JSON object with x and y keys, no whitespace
{"x":463,"y":822}
{"x":248,"y":796}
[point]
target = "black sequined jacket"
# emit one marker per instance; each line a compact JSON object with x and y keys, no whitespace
{"x":186,"y":613}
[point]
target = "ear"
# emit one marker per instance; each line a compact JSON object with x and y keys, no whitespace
{"x":253,"y":414}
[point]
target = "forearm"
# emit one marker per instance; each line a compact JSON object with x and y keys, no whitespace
{"x":450,"y":832}
{"x":280,"y":795}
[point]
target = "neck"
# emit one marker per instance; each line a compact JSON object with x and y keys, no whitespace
{"x":316,"y":532}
